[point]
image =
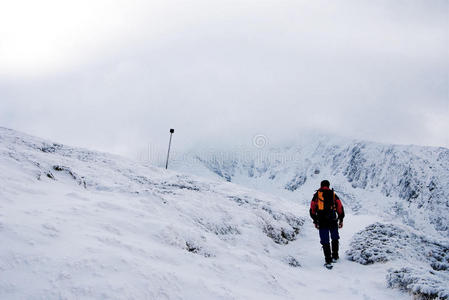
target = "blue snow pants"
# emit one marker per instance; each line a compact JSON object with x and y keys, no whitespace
{"x":324,"y":235}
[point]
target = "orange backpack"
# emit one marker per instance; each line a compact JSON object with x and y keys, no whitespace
{"x":321,"y":205}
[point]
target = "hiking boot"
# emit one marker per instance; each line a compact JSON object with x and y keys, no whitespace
{"x":335,"y":250}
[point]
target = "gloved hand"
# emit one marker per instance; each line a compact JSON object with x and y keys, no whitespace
{"x":317,"y":226}
{"x":340,"y":224}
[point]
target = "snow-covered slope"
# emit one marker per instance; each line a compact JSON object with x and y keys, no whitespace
{"x":79,"y":224}
{"x":406,"y":182}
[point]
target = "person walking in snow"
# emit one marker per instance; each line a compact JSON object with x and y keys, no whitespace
{"x":327,"y":213}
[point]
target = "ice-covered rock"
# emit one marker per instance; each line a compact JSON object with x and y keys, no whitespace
{"x":422,"y":283}
{"x":426,"y":271}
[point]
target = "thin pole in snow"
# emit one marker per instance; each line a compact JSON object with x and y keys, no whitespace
{"x":169,"y":145}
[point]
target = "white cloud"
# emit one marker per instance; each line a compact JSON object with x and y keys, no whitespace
{"x":115,"y":74}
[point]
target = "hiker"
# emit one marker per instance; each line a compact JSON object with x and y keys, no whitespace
{"x":327,"y":213}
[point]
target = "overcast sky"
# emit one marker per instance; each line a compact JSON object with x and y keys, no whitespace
{"x":116,"y":75}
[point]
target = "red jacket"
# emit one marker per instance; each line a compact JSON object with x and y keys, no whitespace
{"x":326,"y":217}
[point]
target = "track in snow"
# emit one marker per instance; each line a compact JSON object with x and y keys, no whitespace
{"x":347,"y":280}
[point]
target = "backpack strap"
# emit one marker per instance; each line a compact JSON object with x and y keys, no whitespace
{"x":333,"y":200}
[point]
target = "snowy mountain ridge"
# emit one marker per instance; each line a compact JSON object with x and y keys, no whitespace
{"x":413,"y":181}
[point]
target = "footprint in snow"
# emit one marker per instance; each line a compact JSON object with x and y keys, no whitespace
{"x":50,"y":230}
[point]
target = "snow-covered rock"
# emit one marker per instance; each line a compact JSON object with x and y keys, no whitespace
{"x":383,"y":242}
{"x":421,"y":282}
{"x":422,"y":263}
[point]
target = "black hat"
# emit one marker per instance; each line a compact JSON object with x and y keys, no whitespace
{"x":325,"y":183}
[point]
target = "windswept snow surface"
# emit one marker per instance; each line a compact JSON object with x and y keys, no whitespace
{"x":79,"y":224}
